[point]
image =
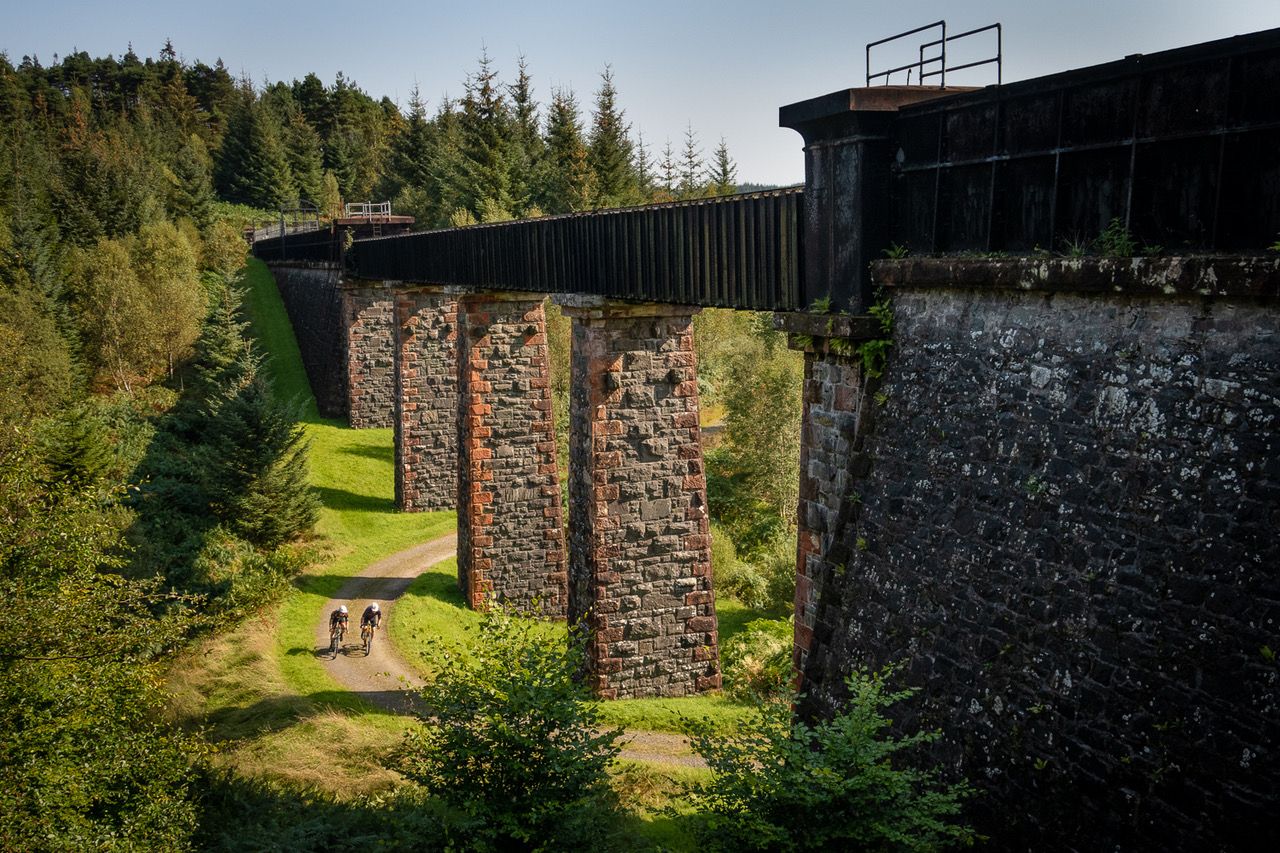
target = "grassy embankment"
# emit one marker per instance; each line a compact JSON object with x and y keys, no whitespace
{"x":263,"y":692}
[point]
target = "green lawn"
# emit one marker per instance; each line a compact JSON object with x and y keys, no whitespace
{"x":353,"y":471}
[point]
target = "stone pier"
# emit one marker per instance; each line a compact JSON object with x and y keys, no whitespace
{"x":368,"y":318}
{"x":426,"y":400}
{"x":510,"y":529}
{"x":640,"y":564}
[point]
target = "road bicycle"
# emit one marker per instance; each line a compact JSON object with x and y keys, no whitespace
{"x":366,"y":637}
{"x":337,"y":632}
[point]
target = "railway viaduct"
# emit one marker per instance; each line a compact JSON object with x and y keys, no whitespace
{"x":1041,"y":475}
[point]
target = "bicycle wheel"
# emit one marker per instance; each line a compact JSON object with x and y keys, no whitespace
{"x":368,"y":641}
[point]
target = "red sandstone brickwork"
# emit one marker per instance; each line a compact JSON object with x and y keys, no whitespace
{"x":640,"y":563}
{"x":368,"y":317}
{"x":426,"y":403}
{"x":510,"y":528}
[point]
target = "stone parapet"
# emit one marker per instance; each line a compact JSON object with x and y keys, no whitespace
{"x":426,"y":401}
{"x":510,"y":529}
{"x":368,"y":316}
{"x":640,"y":549}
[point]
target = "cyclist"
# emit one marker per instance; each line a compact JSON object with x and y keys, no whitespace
{"x":372,"y":616}
{"x":338,"y":619}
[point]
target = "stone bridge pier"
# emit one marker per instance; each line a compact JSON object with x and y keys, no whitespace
{"x":367,"y":309}
{"x":510,"y":528}
{"x":640,"y":550}
{"x":426,"y":398}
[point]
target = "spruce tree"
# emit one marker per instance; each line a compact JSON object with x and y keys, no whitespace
{"x":723,"y":174}
{"x":566,"y":182}
{"x":528,"y":148}
{"x":302,"y":149}
{"x":610,"y":150}
{"x":668,"y":173}
{"x":486,"y":127}
{"x":254,"y":463}
{"x":192,"y":192}
{"x":252,"y":166}
{"x":691,"y":168}
{"x":644,"y":169}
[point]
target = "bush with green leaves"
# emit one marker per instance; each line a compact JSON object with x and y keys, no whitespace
{"x":85,"y":763}
{"x":780,"y":784}
{"x":757,"y":661}
{"x":513,"y":742}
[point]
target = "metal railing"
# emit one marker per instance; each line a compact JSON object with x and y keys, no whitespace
{"x":366,"y":209}
{"x":923,"y":66}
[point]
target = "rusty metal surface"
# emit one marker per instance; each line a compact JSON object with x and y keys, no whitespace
{"x":1183,"y":147}
{"x":741,"y":251}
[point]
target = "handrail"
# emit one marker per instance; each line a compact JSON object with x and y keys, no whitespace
{"x":923,"y":62}
{"x":366,"y":209}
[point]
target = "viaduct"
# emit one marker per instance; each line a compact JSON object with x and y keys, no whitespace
{"x":1054,"y":503}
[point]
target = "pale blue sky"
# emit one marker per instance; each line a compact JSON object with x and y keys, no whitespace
{"x":724,"y":66}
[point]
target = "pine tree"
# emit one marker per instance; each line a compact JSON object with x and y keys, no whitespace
{"x":302,"y":148}
{"x":723,"y":174}
{"x":644,"y":169}
{"x":252,"y":167}
{"x":610,"y":149}
{"x":528,"y":148}
{"x":254,"y":463}
{"x":690,"y":166}
{"x":668,"y":173}
{"x":192,"y":192}
{"x":411,"y":151}
{"x":566,"y":182}
{"x":486,"y":127}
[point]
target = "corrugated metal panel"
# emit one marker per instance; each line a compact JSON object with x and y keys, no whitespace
{"x":740,"y":251}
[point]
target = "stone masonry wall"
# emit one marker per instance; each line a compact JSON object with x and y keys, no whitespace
{"x":640,"y":558}
{"x":510,"y":529}
{"x":313,"y":301}
{"x":368,"y":316}
{"x":1059,"y":512}
{"x":426,"y":410}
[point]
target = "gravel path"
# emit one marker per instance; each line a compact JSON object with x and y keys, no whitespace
{"x":386,"y":680}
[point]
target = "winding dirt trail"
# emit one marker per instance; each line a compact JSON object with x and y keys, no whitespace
{"x":386,"y":680}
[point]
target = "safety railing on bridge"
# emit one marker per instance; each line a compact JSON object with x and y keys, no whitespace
{"x":741,"y":251}
{"x":315,"y":246}
{"x":366,"y":209}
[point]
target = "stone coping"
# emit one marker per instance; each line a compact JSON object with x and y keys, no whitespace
{"x":1256,"y":276}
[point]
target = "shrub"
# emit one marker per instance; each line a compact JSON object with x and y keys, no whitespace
{"x":845,"y":784}
{"x":757,"y":662}
{"x":513,"y":742}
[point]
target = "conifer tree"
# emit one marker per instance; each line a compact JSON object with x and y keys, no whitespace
{"x":723,"y":174}
{"x":252,"y":167}
{"x":644,"y":167}
{"x":610,"y":150}
{"x":668,"y":173}
{"x":411,"y":150}
{"x":691,"y":169}
{"x":486,"y":126}
{"x":302,"y":149}
{"x":192,"y":192}
{"x":566,"y":182}
{"x":528,"y":149}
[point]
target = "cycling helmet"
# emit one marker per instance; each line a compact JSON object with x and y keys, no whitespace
{"x":342,"y":609}
{"x":374,"y":607}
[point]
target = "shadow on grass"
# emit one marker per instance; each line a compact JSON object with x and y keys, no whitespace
{"x":342,"y":500}
{"x":378,"y":452}
{"x":441,"y":586}
{"x":254,"y":814}
{"x":269,"y":716}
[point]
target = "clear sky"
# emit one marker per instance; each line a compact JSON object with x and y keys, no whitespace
{"x":724,"y":66}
